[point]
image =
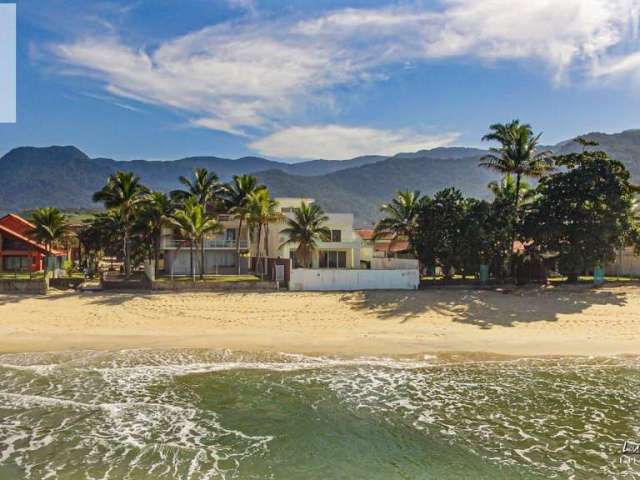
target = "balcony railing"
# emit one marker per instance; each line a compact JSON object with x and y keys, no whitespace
{"x":208,"y":244}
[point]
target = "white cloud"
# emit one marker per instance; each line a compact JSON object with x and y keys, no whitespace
{"x":341,"y":142}
{"x":256,"y":76}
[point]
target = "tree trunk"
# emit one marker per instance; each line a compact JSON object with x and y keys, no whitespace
{"x":202,"y":258}
{"x":156,"y":255}
{"x":258,"y":249}
{"x":516,"y":221}
{"x":193,"y":272}
{"x":572,"y":277}
{"x":238,"y":245}
{"x":127,"y":262}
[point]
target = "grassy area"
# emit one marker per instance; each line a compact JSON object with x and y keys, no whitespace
{"x":210,"y":278}
{"x":589,"y":279}
{"x":21,"y":276}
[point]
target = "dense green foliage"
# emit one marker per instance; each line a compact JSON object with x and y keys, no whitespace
{"x":50,"y":226}
{"x":583,"y":212}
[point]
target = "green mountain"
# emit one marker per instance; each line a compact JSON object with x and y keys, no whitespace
{"x":66,"y":177}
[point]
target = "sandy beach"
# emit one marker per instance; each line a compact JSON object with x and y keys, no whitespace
{"x":555,"y":321}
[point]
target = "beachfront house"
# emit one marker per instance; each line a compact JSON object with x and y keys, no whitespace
{"x":220,"y":255}
{"x":341,"y":251}
{"x":19,"y":253}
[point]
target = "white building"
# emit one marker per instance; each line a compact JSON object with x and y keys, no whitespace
{"x":219,"y":250}
{"x":342,"y":251}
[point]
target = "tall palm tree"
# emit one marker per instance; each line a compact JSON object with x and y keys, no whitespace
{"x":506,"y":189}
{"x":193,"y":223}
{"x":306,"y":229}
{"x":50,"y":226}
{"x":123,"y":193}
{"x":205,"y":187}
{"x":401,"y":216}
{"x":156,"y":210}
{"x":236,"y":195}
{"x":517,"y":156}
{"x":262,"y":210}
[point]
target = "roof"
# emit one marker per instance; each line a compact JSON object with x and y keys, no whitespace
{"x":17,"y":227}
{"x":396,"y":246}
{"x":365,"y":234}
{"x":16,"y":223}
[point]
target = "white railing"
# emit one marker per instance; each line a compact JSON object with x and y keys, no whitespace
{"x":208,"y":244}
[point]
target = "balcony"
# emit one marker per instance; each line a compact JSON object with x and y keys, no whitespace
{"x":168,"y":244}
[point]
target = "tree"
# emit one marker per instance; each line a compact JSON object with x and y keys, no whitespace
{"x":476,"y":245}
{"x":583,"y":212}
{"x":155,"y":213}
{"x":401,"y":217}
{"x":517,"y":156}
{"x":262,"y":210}
{"x":306,"y":229}
{"x":205,"y":187}
{"x":193,"y":223}
{"x":236,"y":196}
{"x":123,"y":193}
{"x":50,"y":226}
{"x":439,"y":230}
{"x":585,"y":143}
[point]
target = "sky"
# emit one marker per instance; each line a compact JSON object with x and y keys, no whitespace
{"x":307,"y":79}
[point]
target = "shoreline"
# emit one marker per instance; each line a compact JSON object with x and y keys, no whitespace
{"x":529,"y":322}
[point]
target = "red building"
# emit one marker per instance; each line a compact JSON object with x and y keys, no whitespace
{"x":18,"y":253}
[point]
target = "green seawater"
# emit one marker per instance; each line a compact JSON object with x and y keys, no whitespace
{"x":188,"y":414}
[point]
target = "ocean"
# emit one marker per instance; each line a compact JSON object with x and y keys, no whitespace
{"x":195,"y":414}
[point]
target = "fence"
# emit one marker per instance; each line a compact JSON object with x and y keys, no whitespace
{"x":337,"y":279}
{"x":394,"y":264}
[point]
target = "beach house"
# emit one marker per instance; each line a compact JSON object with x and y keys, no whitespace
{"x":220,"y":255}
{"x":19,"y":253}
{"x":342,"y":250}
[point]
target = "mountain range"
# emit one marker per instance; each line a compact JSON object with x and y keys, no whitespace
{"x":65,"y":177}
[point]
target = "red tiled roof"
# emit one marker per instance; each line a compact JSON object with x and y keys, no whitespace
{"x":19,"y":233}
{"x":393,"y":247}
{"x":365,"y":234}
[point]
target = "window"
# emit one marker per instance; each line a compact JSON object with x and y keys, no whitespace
{"x":336,"y":235}
{"x":230,"y":235}
{"x":329,"y":259}
{"x":16,"y":264}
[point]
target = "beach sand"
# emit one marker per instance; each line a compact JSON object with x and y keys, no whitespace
{"x":524,"y":322}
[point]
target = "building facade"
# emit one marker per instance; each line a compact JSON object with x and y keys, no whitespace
{"x":220,"y":255}
{"x":19,"y":253}
{"x":341,"y":251}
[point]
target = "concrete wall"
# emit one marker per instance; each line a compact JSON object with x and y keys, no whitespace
{"x":394,"y":264}
{"x":627,"y":263}
{"x":336,"y":280}
{"x":24,"y":286}
{"x":212,"y":286}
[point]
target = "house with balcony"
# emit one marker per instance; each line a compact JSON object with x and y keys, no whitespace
{"x":341,"y":251}
{"x":18,"y":252}
{"x":220,"y":256}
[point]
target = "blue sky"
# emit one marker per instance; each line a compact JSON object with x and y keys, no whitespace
{"x":7,"y":63}
{"x":162,"y":79}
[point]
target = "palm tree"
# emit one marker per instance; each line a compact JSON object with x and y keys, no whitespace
{"x":156,"y":210}
{"x":306,"y":229}
{"x":516,"y":156}
{"x":401,"y":216}
{"x":194,"y":223}
{"x":262,"y":210}
{"x":506,"y":189}
{"x":123,"y":193}
{"x":236,"y":195}
{"x":50,"y":226}
{"x":517,"y":153}
{"x":205,"y":187}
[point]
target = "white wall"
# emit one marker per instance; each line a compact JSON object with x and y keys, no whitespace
{"x":626,"y":263}
{"x":394,"y":264}
{"x":337,"y":279}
